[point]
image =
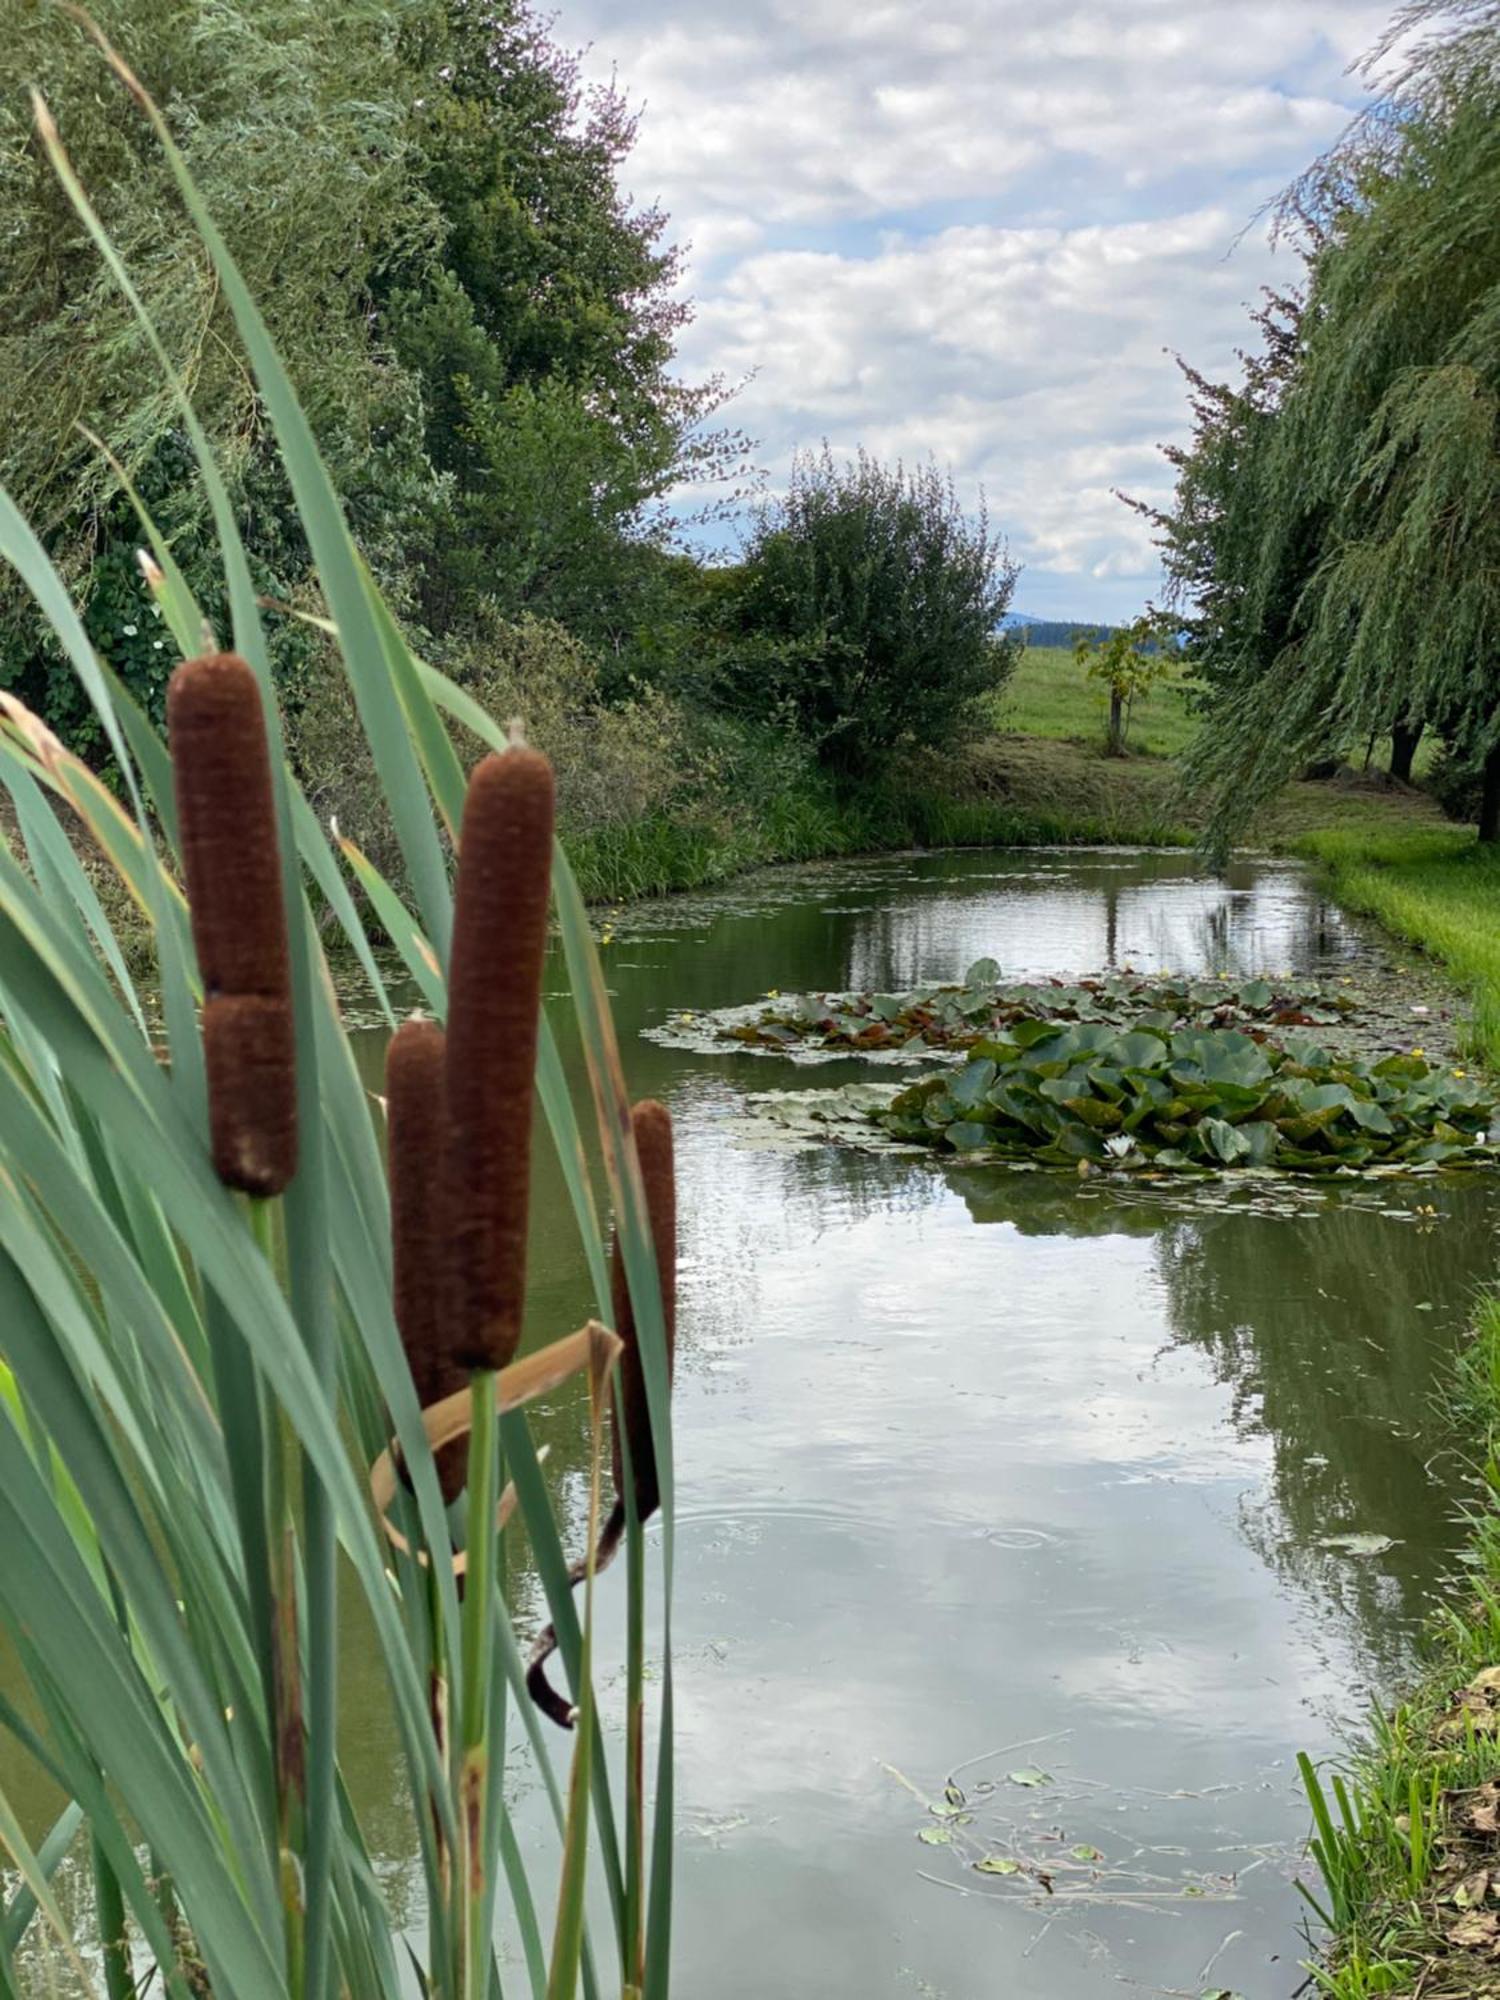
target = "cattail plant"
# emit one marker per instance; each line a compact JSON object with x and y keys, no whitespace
{"x":231,"y":858}
{"x":494,"y":1008}
{"x":651,"y":1123}
{"x":417,"y":1128}
{"x":178,"y":1614}
{"x":637,"y":1486}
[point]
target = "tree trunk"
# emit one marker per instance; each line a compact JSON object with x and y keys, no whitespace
{"x":1116,"y":744}
{"x":1489,"y":804}
{"x":1404,"y":740}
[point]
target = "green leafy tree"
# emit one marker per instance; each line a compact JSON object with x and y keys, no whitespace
{"x":1235,"y":568}
{"x":1127,"y":662}
{"x":544,"y":340}
{"x":1369,"y":514}
{"x":296,"y":121}
{"x":868,"y":610}
{"x":480,"y":323}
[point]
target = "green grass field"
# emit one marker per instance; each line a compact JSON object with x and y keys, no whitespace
{"x":1049,"y":695}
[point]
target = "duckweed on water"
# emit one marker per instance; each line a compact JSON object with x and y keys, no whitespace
{"x":1151,"y":1099}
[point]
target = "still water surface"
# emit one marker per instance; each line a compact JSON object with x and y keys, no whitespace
{"x":1004,"y":1479}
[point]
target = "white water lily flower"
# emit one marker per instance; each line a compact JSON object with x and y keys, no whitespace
{"x":1119,"y":1145}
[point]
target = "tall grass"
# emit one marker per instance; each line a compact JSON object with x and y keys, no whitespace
{"x":815,"y":821}
{"x":197,"y":1385}
{"x":1393,"y":1835}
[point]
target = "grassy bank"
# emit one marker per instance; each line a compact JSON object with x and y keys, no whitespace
{"x":1434,"y":885}
{"x":1005,"y":793}
{"x":1407,"y":1842}
{"x":1017,"y":790}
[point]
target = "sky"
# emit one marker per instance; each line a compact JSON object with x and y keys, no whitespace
{"x":979,"y":230}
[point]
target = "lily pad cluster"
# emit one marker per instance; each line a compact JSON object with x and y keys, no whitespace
{"x":985,"y":1005}
{"x":1191,"y":1098}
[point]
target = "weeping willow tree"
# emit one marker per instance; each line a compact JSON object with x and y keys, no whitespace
{"x":1342,"y":512}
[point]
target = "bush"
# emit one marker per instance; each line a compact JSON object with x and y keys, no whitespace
{"x":868,"y":610}
{"x":613,"y":763}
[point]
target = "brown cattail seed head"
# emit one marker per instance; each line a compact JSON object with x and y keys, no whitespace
{"x":250,"y":1054}
{"x":227,"y":822}
{"x":652,"y":1123}
{"x":417,"y":1125}
{"x":227,"y":814}
{"x":494,"y":1007}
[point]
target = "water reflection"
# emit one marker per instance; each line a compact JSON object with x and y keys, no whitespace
{"x":1062,"y":1476}
{"x":972,"y":1459}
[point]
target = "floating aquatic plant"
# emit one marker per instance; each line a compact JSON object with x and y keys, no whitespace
{"x":1199,"y":1097}
{"x":958,"y":1015}
{"x":1091,"y":1096}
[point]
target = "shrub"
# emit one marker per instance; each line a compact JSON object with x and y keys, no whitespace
{"x":868,"y":610}
{"x":613,"y":763}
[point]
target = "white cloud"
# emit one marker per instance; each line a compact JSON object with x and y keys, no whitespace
{"x":1030,"y":361}
{"x":977,"y":230}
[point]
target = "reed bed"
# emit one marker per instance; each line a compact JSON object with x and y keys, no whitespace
{"x":258,"y":1333}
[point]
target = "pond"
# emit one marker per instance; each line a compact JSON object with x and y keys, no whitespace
{"x":1005,"y":1480}
{"x":1010,"y":1505}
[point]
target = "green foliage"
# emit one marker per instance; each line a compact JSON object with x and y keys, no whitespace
{"x":867,"y":611}
{"x":1234,"y":571}
{"x":479,"y":323}
{"x":1336,"y":519}
{"x":320,"y":108}
{"x":1158,"y":1099}
{"x":543,"y":339}
{"x":1128,"y":662}
{"x":195,"y":1391}
{"x":617,"y":761}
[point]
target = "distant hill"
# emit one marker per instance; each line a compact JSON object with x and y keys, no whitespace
{"x":1054,"y":631}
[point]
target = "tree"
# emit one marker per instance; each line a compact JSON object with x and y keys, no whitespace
{"x":479,"y":322}
{"x":1370,"y":507}
{"x":1128,"y":662}
{"x":295,"y":125}
{"x":544,"y":339}
{"x":868,"y":610}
